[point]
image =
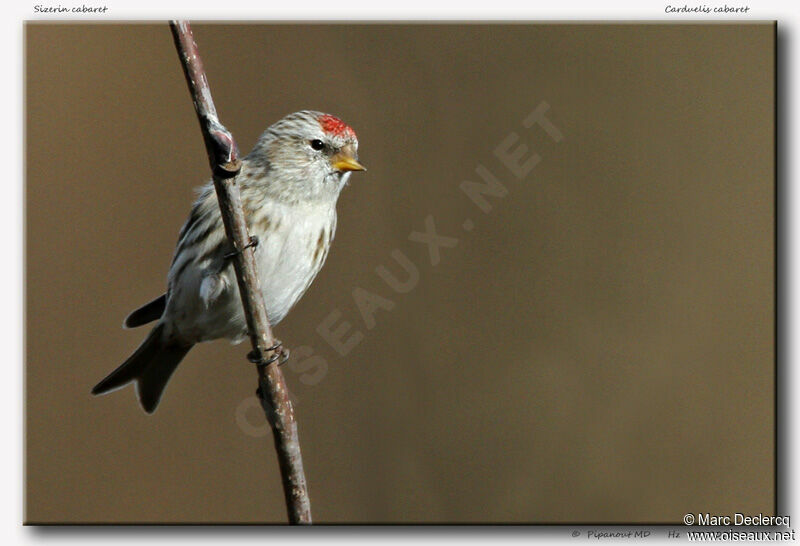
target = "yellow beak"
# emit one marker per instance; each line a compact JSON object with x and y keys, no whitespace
{"x":344,"y":163}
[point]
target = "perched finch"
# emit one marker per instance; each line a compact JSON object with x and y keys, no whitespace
{"x":289,"y":185}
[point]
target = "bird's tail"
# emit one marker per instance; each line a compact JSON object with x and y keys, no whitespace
{"x":150,"y":366}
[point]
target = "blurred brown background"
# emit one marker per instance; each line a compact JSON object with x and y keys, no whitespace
{"x":599,"y":348}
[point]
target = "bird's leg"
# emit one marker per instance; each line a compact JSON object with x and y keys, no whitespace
{"x":280,"y":353}
{"x":253,"y":243}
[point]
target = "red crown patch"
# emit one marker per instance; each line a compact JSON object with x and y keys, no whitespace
{"x":335,"y":126}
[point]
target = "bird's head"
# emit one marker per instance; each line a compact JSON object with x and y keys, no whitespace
{"x":308,"y":155}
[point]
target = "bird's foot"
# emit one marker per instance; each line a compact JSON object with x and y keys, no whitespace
{"x":279,"y":354}
{"x":253,"y":243}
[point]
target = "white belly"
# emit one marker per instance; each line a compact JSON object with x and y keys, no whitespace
{"x":290,"y":256}
{"x":293,"y":242}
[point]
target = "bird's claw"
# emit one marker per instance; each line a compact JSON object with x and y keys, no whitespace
{"x":253,"y":243}
{"x":279,"y":354}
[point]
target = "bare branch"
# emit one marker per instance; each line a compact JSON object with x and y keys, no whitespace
{"x":223,"y":156}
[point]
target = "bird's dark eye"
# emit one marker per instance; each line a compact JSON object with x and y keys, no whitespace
{"x":317,"y":144}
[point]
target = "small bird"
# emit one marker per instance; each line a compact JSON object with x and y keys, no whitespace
{"x":289,"y":184}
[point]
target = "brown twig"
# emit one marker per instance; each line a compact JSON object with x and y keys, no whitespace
{"x":223,"y":156}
